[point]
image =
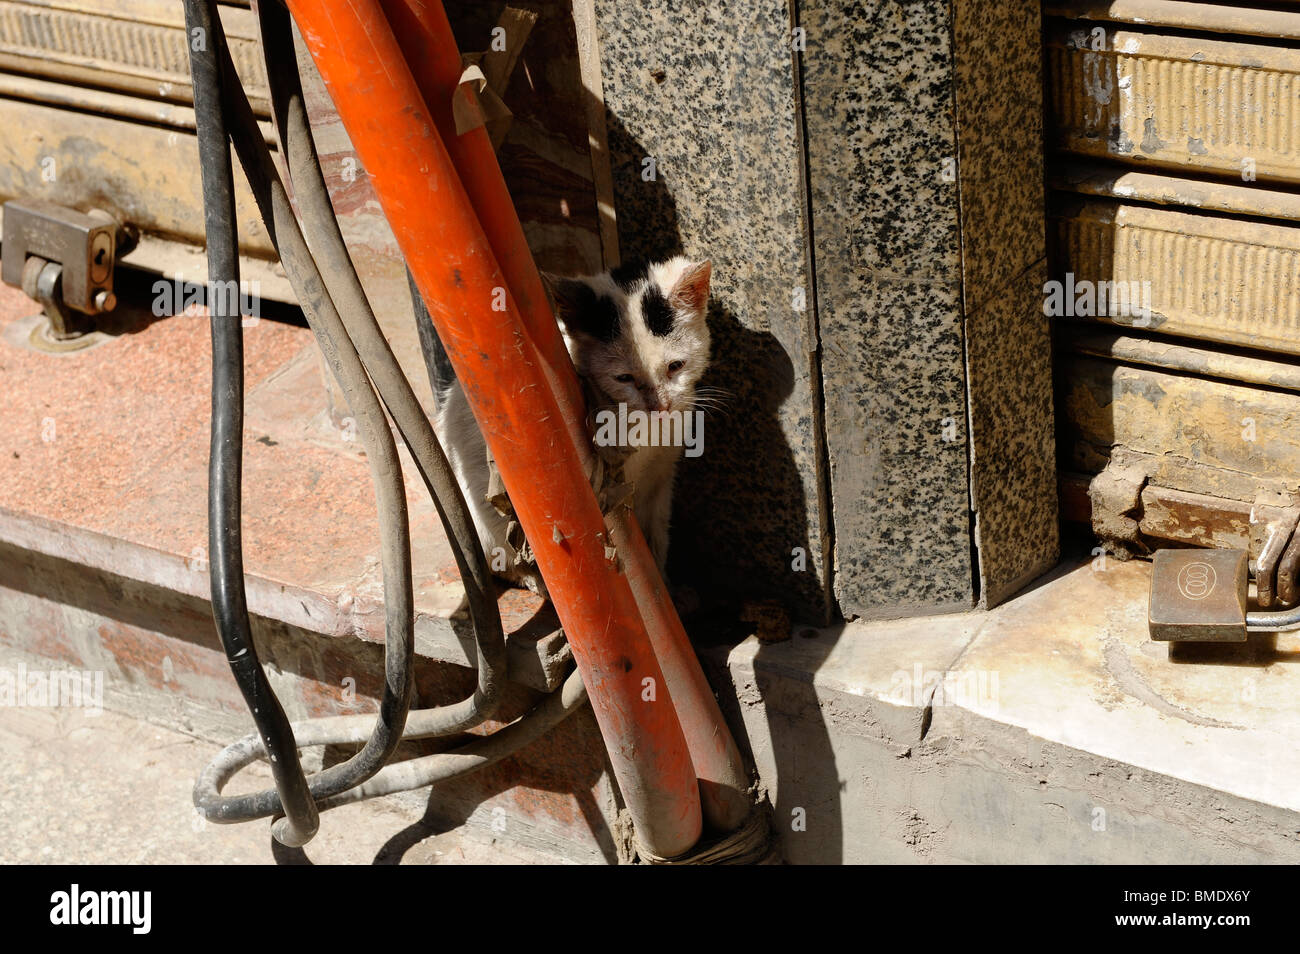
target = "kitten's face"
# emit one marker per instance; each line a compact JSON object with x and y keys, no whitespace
{"x":639,"y":332}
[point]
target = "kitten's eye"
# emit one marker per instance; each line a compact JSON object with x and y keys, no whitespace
{"x":623,"y":378}
{"x":676,"y":366}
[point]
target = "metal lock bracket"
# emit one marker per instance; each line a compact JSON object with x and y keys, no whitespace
{"x":1276,"y":548}
{"x":62,"y":258}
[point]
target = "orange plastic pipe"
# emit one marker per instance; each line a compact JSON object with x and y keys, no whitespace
{"x":429,"y":45}
{"x":510,"y":390}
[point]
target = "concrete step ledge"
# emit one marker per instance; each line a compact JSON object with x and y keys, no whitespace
{"x":1048,"y":730}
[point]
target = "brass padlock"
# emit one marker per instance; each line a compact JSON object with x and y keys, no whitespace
{"x":1199,"y":595}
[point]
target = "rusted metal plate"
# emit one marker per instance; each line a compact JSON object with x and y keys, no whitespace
{"x":144,"y":175}
{"x":1205,"y":276}
{"x":1170,"y":516}
{"x":1175,"y":101}
{"x":1194,"y":519}
{"x":1198,"y":595}
{"x":1199,"y":435}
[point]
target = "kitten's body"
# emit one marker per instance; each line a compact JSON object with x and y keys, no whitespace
{"x":638,"y":336}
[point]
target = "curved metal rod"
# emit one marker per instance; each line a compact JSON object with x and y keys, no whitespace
{"x":1283,"y":621}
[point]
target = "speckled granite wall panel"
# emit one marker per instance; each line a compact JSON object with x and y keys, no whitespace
{"x":900,"y":66}
{"x":897,"y":429}
{"x":1014,"y":477}
{"x":700,"y":102}
{"x":999,"y":109}
{"x":1000,"y":114}
{"x":878,"y":99}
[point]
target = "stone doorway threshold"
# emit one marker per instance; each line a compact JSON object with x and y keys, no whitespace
{"x":1049,"y":729}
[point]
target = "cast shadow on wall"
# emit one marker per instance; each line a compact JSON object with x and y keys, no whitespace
{"x":740,"y":514}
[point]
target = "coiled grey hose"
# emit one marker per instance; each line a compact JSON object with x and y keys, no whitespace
{"x":413,"y":773}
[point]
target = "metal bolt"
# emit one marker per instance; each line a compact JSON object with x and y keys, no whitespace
{"x":105,"y":300}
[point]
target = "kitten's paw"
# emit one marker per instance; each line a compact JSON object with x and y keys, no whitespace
{"x":531,"y":578}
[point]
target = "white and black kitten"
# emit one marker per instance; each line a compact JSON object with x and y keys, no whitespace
{"x":638,"y":336}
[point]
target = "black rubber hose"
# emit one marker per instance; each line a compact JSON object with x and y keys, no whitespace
{"x":225,"y":463}
{"x":381,"y":453}
{"x":340,"y":275}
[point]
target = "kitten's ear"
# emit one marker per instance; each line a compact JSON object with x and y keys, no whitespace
{"x":691,"y":290}
{"x":549,"y":282}
{"x":564,"y":295}
{"x":580,"y":310}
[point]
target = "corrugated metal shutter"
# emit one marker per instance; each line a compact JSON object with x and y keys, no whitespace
{"x":1174,"y":183}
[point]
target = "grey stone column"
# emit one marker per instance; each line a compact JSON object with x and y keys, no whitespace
{"x":924,"y":126}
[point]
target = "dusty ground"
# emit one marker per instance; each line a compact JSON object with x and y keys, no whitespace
{"x":84,"y":789}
